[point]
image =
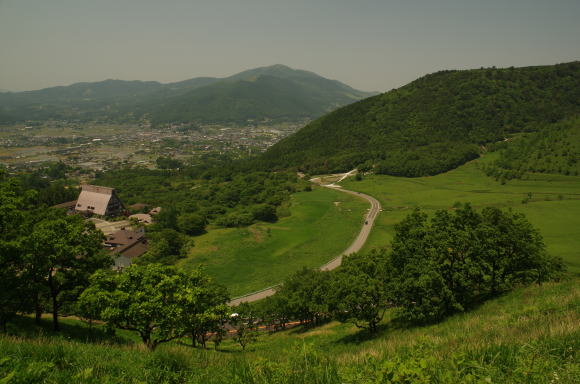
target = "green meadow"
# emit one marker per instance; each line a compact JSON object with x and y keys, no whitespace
{"x":322,"y":224}
{"x":550,"y":202}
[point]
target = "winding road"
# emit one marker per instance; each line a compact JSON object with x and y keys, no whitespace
{"x":356,"y":245}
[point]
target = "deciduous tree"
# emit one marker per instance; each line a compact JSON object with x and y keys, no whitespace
{"x":360,"y":290}
{"x":143,"y":299}
{"x":62,"y":253}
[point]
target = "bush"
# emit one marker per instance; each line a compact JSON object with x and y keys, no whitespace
{"x":191,"y":223}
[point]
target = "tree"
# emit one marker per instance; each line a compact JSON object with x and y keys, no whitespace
{"x":13,"y":215}
{"x":246,"y":323}
{"x":274,"y":312}
{"x":513,"y":251}
{"x":167,"y":218}
{"x":360,"y":290}
{"x":143,"y":299}
{"x":62,"y":253}
{"x":165,"y":247}
{"x":191,"y":223}
{"x":305,"y":296}
{"x":168,"y":163}
{"x":264,"y":212}
{"x":204,"y":308}
{"x":455,"y":259}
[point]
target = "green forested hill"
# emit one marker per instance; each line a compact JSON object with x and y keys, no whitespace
{"x":434,"y":123}
{"x":263,"y":97}
{"x":274,"y":92}
{"x":109,"y":100}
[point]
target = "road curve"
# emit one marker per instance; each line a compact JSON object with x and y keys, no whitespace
{"x":356,"y":245}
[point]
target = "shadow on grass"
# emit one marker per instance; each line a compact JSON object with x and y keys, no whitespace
{"x":364,"y":335}
{"x":70,"y":330}
{"x":299,"y":329}
{"x":399,"y":323}
{"x":208,"y":348}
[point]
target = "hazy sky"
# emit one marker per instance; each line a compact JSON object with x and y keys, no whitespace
{"x":368,"y":44}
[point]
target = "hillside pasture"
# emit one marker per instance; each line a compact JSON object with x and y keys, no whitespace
{"x":322,"y":224}
{"x":551,"y":202}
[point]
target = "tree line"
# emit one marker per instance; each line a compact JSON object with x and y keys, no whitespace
{"x":47,"y":256}
{"x":436,"y":267}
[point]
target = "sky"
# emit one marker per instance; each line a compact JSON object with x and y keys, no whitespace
{"x":371,"y":45}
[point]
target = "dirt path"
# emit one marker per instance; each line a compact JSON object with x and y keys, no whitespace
{"x":356,"y":245}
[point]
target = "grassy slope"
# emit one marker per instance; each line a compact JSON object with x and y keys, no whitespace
{"x":558,"y":220}
{"x":528,"y":336}
{"x":248,"y":259}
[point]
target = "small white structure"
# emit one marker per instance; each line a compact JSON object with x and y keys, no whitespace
{"x":143,"y":218}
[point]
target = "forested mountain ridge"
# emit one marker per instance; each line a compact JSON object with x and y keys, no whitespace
{"x":268,"y":92}
{"x":434,"y":123}
{"x":117,"y":100}
{"x":265,"y":96}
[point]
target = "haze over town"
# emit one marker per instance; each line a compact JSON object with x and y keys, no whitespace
{"x":289,"y":192}
{"x":370,"y":45}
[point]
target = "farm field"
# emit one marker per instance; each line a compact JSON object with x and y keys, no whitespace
{"x":69,"y":130}
{"x":322,"y":225}
{"x":553,"y":208}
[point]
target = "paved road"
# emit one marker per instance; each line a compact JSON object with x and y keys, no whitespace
{"x":356,"y":245}
{"x":361,"y":239}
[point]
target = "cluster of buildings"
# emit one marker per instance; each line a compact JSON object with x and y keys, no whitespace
{"x":124,"y":243}
{"x":89,"y":148}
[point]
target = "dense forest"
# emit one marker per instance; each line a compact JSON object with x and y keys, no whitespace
{"x":553,"y":149}
{"x":433,"y":124}
{"x":49,"y":184}
{"x":234,"y":199}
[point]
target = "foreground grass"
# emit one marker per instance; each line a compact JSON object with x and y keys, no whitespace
{"x":531,"y":335}
{"x":554,"y":207}
{"x":322,"y":225}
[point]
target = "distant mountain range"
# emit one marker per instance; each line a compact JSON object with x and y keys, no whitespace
{"x":276,"y":92}
{"x":433,"y":124}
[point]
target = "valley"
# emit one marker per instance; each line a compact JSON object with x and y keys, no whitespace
{"x":469,"y":274}
{"x":91,"y":147}
{"x":321,"y":225}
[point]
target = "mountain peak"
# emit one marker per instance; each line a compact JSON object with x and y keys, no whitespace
{"x":279,"y":66}
{"x":274,"y":92}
